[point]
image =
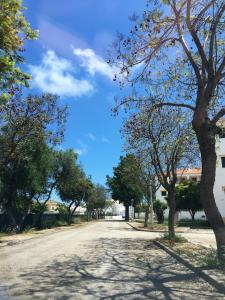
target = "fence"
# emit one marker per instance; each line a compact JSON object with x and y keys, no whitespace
{"x":48,"y":220}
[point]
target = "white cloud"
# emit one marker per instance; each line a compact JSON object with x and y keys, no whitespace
{"x":105,"y":140}
{"x":82,"y":148}
{"x":56,"y":75}
{"x":94,"y":63}
{"x":91,"y":136}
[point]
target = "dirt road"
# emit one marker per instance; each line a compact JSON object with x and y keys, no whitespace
{"x":104,"y":260}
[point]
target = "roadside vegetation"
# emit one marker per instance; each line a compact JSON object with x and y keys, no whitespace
{"x":32,"y":127}
{"x":171,"y":70}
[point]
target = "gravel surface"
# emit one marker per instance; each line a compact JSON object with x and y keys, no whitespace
{"x":103,"y":260}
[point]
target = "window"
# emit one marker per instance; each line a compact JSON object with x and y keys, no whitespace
{"x":194,"y":178}
{"x":163,"y":193}
{"x":223,"y":161}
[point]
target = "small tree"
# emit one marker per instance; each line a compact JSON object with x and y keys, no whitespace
{"x":126,"y":183}
{"x":159,"y":208}
{"x":188,"y":197}
{"x":96,"y":202}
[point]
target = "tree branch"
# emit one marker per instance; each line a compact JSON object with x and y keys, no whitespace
{"x":195,"y":36}
{"x":174,"y":104}
{"x":218,"y":116}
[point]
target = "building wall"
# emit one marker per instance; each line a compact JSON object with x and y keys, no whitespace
{"x":219,"y":187}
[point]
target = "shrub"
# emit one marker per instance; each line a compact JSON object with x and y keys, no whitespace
{"x":159,"y":207}
{"x":176,"y":239}
{"x":194,"y":224}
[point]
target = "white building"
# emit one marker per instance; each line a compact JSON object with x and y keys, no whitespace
{"x":219,"y":187}
{"x":195,"y":174}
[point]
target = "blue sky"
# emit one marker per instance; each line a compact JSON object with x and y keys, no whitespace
{"x":69,"y":59}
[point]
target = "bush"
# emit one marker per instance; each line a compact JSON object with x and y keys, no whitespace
{"x":176,"y":239}
{"x":159,"y":207}
{"x":204,"y":224}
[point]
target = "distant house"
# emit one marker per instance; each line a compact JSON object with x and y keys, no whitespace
{"x":80,"y":210}
{"x":52,"y":206}
{"x":115,"y":210}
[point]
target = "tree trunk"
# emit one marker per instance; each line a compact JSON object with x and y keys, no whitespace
{"x":172,"y":211}
{"x":192,"y":213}
{"x":11,"y":217}
{"x":147,"y":215}
{"x":149,"y":209}
{"x":127,"y":215}
{"x":39,"y":223}
{"x":206,"y":139}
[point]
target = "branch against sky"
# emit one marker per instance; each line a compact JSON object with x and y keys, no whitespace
{"x":174,"y":43}
{"x":182,"y":41}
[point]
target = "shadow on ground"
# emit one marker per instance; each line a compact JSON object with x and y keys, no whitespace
{"x":113,"y":269}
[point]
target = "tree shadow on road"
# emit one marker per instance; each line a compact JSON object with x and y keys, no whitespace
{"x":114,"y":269}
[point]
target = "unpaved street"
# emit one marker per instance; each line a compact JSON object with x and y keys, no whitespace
{"x":104,"y":260}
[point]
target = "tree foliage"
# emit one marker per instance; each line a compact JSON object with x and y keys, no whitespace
{"x":126,"y":182}
{"x":159,"y":208}
{"x":97,"y":201}
{"x":74,"y":186}
{"x":188,"y":197}
{"x":26,"y":138}
{"x":170,"y":144}
{"x":14,"y":31}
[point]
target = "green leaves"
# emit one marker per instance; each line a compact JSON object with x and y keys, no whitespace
{"x":126,"y":182}
{"x":14,"y":31}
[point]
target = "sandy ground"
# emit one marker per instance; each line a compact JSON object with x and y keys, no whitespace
{"x":204,"y":237}
{"x":103,"y":260}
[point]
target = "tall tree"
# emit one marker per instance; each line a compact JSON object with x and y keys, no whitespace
{"x":186,"y":38}
{"x":73,"y":185}
{"x":14,"y":31}
{"x":26,"y":133}
{"x":21,"y":180}
{"x":126,"y":183}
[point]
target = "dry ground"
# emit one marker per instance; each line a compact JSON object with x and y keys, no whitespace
{"x":103,"y":260}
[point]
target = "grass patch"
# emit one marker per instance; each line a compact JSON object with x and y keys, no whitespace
{"x":176,"y":239}
{"x":199,"y":256}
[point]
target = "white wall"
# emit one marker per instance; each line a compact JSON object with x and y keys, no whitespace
{"x":219,"y":187}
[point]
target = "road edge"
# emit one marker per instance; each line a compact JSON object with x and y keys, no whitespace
{"x":205,"y":275}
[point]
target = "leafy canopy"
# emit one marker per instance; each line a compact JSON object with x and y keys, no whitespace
{"x":126,"y":183}
{"x":14,"y":31}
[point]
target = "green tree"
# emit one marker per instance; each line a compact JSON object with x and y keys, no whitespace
{"x":180,"y":44}
{"x":126,"y":183}
{"x":73,"y":185}
{"x":97,"y":201}
{"x":167,"y":139}
{"x":188,"y":197}
{"x":21,"y":180}
{"x":14,"y":31}
{"x":26,"y":136}
{"x":159,"y":208}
